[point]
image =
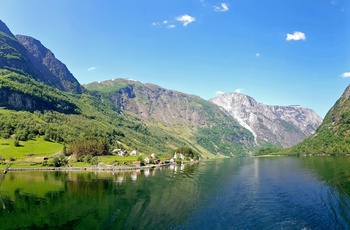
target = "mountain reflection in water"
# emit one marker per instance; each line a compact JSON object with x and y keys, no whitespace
{"x":239,"y":193}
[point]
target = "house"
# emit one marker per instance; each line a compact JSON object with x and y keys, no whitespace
{"x":182,"y":157}
{"x":153,"y":155}
{"x":133,"y":153}
{"x":147,"y":160}
{"x":137,"y":163}
{"x":119,"y":152}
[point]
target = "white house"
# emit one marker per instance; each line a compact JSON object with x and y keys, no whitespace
{"x":147,"y":160}
{"x":133,"y":153}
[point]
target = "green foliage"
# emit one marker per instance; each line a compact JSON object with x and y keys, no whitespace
{"x":45,"y":97}
{"x":267,"y":151}
{"x":16,"y":143}
{"x":187,"y":152}
{"x":57,"y":161}
{"x":140,"y":158}
{"x":332,"y":136}
{"x":222,"y":139}
{"x":85,"y":149}
{"x":38,"y":147}
{"x":94,"y":160}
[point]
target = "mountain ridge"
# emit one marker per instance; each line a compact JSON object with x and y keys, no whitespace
{"x":333,"y":135}
{"x":283,"y":126}
{"x":54,"y":71}
{"x":189,"y":115}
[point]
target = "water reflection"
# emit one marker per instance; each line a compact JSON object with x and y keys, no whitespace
{"x":240,"y":193}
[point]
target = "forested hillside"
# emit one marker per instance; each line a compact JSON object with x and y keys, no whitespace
{"x":40,"y":97}
{"x":333,"y":135}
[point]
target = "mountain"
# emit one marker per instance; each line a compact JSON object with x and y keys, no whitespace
{"x":282,"y":126}
{"x":195,"y":121}
{"x":23,"y":85}
{"x":40,"y":97}
{"x":53,"y":70}
{"x":27,"y":56}
{"x":333,"y":135}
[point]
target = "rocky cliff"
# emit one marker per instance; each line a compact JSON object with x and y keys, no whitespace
{"x":189,"y":116}
{"x":53,"y":70}
{"x":283,"y":126}
{"x":26,"y":55}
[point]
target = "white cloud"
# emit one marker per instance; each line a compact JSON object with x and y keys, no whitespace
{"x":91,"y":68}
{"x":222,"y":8}
{"x":185,"y":19}
{"x":164,"y":23}
{"x":219,"y":92}
{"x":296,"y":36}
{"x":239,"y":90}
{"x":257,"y":55}
{"x":345,"y":75}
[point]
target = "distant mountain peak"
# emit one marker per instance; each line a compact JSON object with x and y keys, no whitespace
{"x":279,"y":125}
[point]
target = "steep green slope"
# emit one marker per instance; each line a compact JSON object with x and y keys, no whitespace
{"x":189,"y":118}
{"x":38,"y":96}
{"x":333,"y":135}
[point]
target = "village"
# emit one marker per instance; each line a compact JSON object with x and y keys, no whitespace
{"x":177,"y":158}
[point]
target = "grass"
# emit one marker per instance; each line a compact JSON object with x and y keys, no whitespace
{"x":39,"y":147}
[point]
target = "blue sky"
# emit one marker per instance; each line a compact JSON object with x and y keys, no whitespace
{"x":281,"y":52}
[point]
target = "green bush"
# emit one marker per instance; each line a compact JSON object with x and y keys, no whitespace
{"x":16,"y":143}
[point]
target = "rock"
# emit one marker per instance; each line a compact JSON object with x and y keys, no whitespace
{"x":283,"y":126}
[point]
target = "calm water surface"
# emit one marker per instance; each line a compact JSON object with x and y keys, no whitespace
{"x":239,"y":193}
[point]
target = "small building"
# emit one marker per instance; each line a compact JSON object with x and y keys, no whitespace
{"x":153,"y":155}
{"x":182,"y":157}
{"x":133,"y":153}
{"x":137,"y":163}
{"x":147,"y":160}
{"x":119,"y":152}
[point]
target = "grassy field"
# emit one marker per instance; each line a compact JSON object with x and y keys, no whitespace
{"x":38,"y":147}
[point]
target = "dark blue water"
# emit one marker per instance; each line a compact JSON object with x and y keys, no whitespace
{"x":279,"y":193}
{"x":239,"y":193}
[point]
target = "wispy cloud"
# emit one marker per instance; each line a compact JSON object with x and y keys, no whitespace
{"x":239,"y":90}
{"x":296,"y":36}
{"x":219,"y":92}
{"x":165,"y":24}
{"x":345,"y":74}
{"x":222,"y":8}
{"x":91,"y":68}
{"x":185,"y":19}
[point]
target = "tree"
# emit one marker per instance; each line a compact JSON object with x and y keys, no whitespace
{"x":16,"y":142}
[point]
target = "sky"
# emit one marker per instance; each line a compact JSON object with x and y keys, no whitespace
{"x":280,"y":52}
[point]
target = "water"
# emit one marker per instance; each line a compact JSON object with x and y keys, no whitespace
{"x":239,"y":193}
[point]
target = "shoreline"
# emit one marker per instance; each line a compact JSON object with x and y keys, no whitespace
{"x":94,"y":169}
